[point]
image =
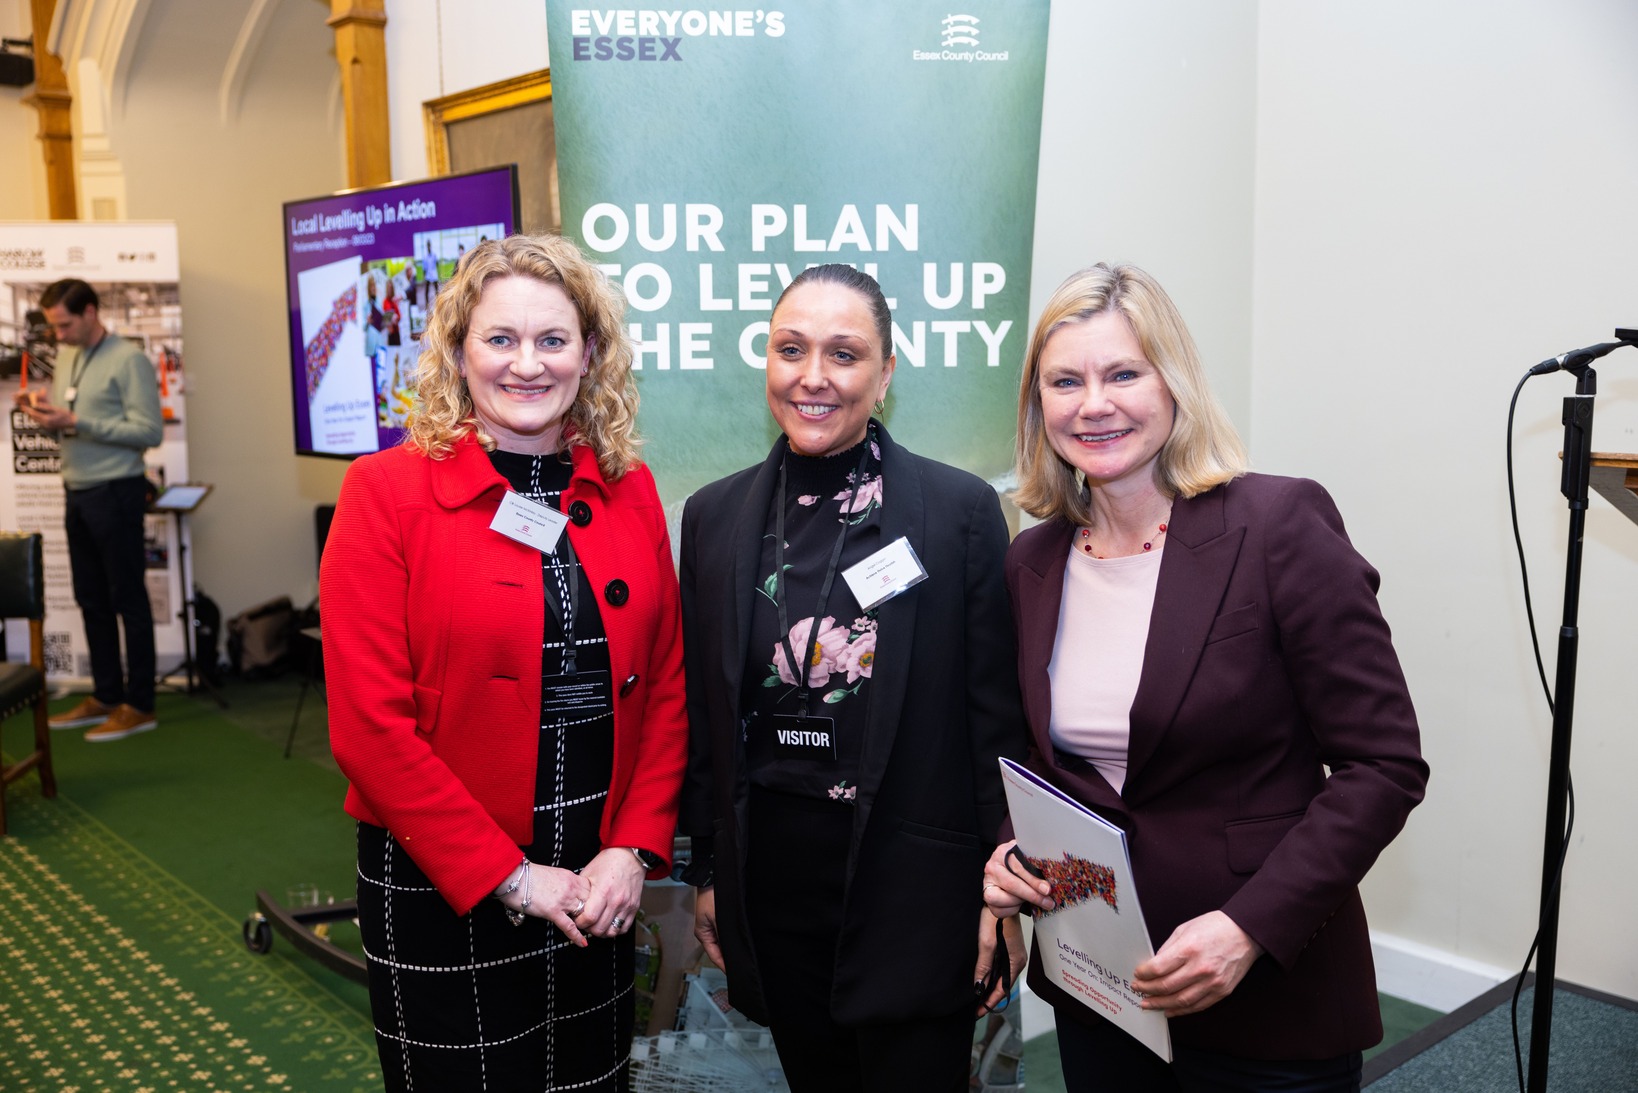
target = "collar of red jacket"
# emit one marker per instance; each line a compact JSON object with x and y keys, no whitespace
{"x":466,"y":474}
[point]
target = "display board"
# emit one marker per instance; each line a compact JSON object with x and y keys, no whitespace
{"x":363,"y":268}
{"x":134,"y":268}
{"x":707,"y":156}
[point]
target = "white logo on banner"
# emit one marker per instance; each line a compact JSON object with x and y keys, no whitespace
{"x":958,"y":31}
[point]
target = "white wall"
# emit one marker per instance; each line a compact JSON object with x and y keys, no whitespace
{"x":1446,"y":195}
{"x":439,"y":48}
{"x":1147,"y":152}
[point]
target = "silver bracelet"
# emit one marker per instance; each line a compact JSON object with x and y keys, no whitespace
{"x":522,"y":867}
{"x":516,"y":917}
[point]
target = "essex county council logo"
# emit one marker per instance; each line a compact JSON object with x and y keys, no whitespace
{"x":960,"y":30}
{"x":958,"y":42}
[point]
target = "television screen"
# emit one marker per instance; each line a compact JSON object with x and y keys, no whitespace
{"x":362,"y":269}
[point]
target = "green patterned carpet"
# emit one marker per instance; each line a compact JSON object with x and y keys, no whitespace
{"x":117,"y":975}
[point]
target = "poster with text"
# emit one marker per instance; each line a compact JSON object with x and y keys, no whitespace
{"x":707,"y":156}
{"x":133,"y":267}
{"x":363,"y":269}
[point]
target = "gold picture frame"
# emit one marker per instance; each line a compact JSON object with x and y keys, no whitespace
{"x":503,"y":122}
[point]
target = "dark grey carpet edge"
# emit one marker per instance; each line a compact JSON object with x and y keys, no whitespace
{"x":1501,"y":995}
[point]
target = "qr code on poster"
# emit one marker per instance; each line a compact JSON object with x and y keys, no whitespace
{"x":59,"y":654}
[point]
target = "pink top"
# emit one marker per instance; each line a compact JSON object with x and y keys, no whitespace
{"x":1097,"y":658}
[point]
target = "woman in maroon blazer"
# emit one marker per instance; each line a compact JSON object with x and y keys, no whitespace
{"x":506,"y":692}
{"x":1197,"y":645}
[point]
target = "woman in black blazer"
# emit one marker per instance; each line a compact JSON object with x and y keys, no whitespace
{"x":841,"y":822}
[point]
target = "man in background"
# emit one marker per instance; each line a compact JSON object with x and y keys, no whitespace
{"x":104,"y":403}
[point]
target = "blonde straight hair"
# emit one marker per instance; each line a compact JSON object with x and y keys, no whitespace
{"x":1203,"y":450}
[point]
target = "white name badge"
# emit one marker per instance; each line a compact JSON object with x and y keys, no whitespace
{"x":885,"y":574}
{"x":529,"y":523}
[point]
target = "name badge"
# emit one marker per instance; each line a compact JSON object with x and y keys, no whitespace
{"x":71,"y":394}
{"x":803,"y":737}
{"x":578,"y":697}
{"x":529,"y":523}
{"x":891,"y":570}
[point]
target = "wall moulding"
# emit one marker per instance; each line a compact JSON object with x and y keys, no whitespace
{"x":105,"y":31}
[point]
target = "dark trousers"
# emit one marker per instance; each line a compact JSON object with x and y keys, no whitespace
{"x":105,"y":553}
{"x":1101,"y":1057}
{"x":795,"y":877}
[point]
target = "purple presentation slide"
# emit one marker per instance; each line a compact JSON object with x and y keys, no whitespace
{"x":363,"y":268}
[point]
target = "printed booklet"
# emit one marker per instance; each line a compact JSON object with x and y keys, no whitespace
{"x":1093,"y":938}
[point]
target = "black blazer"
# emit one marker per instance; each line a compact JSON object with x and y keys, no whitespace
{"x":1267,"y":662}
{"x":943,"y":707}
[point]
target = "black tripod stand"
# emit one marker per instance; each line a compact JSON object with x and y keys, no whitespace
{"x":179,"y":501}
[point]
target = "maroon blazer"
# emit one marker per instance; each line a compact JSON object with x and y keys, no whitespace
{"x":1267,"y":662}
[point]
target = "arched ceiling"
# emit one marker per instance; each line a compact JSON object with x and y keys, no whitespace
{"x":216,"y":43}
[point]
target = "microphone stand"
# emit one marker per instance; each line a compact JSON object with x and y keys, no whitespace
{"x":1578,"y":422}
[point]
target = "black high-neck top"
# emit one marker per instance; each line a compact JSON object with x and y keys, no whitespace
{"x":817,"y":506}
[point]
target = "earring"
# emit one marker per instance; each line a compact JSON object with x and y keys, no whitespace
{"x":586,"y":371}
{"x":880,"y":408}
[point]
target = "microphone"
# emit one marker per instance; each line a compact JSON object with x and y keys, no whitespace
{"x":1576,"y":359}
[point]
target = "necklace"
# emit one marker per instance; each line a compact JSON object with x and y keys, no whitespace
{"x":1086,"y":536}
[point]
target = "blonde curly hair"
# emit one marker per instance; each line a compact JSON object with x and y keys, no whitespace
{"x":604,"y":413}
{"x":1203,"y":450}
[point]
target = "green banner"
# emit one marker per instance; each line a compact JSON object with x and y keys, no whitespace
{"x":706,"y":156}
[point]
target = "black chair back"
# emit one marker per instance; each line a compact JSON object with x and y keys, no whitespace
{"x":22,"y":575}
{"x":22,"y":596}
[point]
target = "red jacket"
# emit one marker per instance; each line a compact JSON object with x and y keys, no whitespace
{"x":432,"y":626}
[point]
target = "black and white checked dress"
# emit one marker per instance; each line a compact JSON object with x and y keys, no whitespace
{"x":472,"y":1002}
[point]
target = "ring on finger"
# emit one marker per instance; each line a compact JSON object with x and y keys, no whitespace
{"x":618,"y":921}
{"x":580,"y":905}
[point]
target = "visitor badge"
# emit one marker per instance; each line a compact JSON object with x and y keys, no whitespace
{"x":811,"y":738}
{"x":885,"y":574}
{"x":529,"y":522}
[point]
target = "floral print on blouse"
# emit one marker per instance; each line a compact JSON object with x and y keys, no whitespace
{"x":823,"y":494}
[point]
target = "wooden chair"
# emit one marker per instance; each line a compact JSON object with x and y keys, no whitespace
{"x":22,"y":595}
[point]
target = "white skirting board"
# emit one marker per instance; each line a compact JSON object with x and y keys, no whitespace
{"x":1405,"y":969}
{"x":1430,"y":977}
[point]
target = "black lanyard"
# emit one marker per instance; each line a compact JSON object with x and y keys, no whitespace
{"x":563,"y":571}
{"x":800,"y":670}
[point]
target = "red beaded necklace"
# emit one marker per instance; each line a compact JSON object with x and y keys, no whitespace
{"x":1086,"y":534}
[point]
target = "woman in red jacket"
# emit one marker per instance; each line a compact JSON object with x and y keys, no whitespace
{"x":501,"y":631}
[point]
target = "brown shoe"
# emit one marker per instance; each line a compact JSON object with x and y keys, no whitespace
{"x":125,"y":720}
{"x":88,"y":712}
